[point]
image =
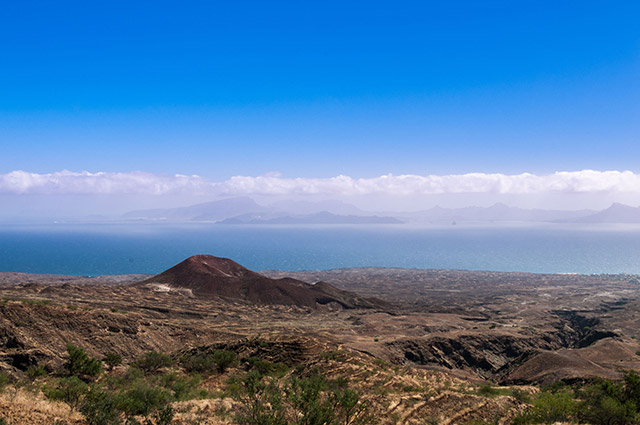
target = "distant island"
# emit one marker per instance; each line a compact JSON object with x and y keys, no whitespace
{"x":245,"y":211}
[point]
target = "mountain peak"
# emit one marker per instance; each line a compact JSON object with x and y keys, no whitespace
{"x":215,"y":266}
{"x":209,"y":276}
{"x":619,"y":206}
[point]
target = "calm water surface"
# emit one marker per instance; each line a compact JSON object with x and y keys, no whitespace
{"x":95,"y":249}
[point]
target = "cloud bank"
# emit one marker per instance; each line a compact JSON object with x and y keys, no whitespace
{"x":101,"y":183}
{"x":106,"y":183}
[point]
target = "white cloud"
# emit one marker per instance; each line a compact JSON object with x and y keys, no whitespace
{"x":587,"y":181}
{"x":67,"y":182}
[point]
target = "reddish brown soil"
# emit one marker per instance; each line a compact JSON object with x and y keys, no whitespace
{"x":209,"y":276}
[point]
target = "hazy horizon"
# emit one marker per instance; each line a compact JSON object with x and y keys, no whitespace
{"x":73,"y":195}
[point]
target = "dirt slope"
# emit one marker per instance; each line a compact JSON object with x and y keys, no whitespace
{"x":209,"y":276}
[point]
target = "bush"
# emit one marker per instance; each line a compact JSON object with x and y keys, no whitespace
{"x":164,"y":416}
{"x":350,"y":410}
{"x":70,"y":390}
{"x":99,"y":407}
{"x":205,"y":363}
{"x":601,"y":403}
{"x":142,"y":400}
{"x":260,"y":401}
{"x":112,"y":360}
{"x":521,"y":395}
{"x":202,"y":363}
{"x":152,"y":362}
{"x":224,"y":359}
{"x":303,"y":401}
{"x":307,"y":397}
{"x":4,"y":380}
{"x":183,"y":388}
{"x":266,"y":368}
{"x":125,"y":398}
{"x":632,"y":387}
{"x":549,"y":408}
{"x":80,"y":363}
{"x":486,"y":390}
{"x":36,"y":371}
{"x":609,"y":403}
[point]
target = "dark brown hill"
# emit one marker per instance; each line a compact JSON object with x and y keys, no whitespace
{"x":209,"y":276}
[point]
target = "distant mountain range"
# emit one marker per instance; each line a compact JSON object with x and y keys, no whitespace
{"x":496,"y":212}
{"x":323,"y":217}
{"x":616,"y":213}
{"x":208,"y":211}
{"x":245,"y":211}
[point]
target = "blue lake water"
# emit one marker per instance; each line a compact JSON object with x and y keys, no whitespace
{"x":95,"y":249}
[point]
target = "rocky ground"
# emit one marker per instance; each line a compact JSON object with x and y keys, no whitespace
{"x":448,"y":347}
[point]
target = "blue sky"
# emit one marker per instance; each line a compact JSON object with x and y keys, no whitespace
{"x":112,"y":106}
{"x":319,"y":89}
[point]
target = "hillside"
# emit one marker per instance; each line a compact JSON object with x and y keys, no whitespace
{"x":213,"y":277}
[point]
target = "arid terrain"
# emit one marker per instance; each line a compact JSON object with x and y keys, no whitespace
{"x":419,"y":346}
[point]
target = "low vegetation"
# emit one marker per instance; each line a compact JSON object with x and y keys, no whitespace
{"x":206,"y":363}
{"x":140,"y":395}
{"x":143,"y":392}
{"x":259,"y":390}
{"x":4,"y":380}
{"x":81,"y":364}
{"x":602,"y":402}
{"x":297,"y":400}
{"x":152,"y":362}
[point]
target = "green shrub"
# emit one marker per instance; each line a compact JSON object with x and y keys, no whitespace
{"x":521,"y":395}
{"x":4,"y":380}
{"x":609,"y":411}
{"x":350,"y":410}
{"x":486,"y":390}
{"x":380,"y":362}
{"x":183,"y":388}
{"x":224,"y":359}
{"x":202,"y":363}
{"x":602,"y":402}
{"x":71,"y":390}
{"x":549,"y":408}
{"x":260,"y":401}
{"x":164,"y":416}
{"x":80,"y":363}
{"x":142,"y":400}
{"x":632,"y":387}
{"x":100,"y":407}
{"x":112,"y":360}
{"x":306,"y":397}
{"x":605,"y":402}
{"x":205,"y":363}
{"x":267,"y":368}
{"x":152,"y":361}
{"x":36,"y":371}
{"x":303,"y":401}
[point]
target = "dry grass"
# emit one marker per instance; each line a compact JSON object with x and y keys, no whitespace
{"x":19,"y":406}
